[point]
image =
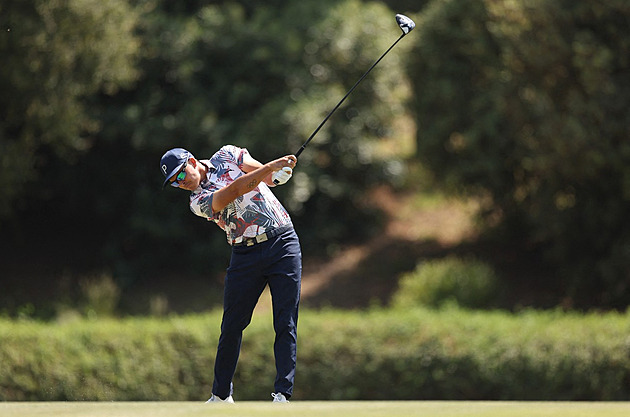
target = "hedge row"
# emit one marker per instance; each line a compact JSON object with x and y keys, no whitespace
{"x":376,"y":354}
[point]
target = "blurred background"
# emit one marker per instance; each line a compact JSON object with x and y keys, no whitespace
{"x":494,"y":139}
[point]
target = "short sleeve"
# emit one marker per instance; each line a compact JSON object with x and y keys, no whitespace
{"x":201,"y":204}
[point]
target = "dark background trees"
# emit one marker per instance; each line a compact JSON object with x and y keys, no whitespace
{"x":527,"y":104}
{"x":520,"y":104}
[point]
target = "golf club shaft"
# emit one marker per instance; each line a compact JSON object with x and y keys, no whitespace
{"x":346,"y":96}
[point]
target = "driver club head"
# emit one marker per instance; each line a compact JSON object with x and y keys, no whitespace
{"x":405,"y":23}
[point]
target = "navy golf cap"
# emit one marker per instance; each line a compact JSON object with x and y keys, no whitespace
{"x":172,"y":161}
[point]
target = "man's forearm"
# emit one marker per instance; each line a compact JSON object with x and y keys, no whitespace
{"x":242,"y":185}
{"x":249,"y":181}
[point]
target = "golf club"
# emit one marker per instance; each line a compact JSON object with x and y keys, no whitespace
{"x":406,"y":25}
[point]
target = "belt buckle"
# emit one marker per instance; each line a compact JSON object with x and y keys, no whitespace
{"x":261,"y":238}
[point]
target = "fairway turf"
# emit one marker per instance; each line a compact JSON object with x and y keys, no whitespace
{"x":317,"y":408}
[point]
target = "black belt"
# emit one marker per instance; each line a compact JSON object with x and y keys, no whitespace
{"x":263,"y":237}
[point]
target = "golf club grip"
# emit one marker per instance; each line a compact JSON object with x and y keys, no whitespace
{"x":297,"y":154}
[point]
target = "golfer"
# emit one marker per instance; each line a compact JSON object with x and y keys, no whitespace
{"x":232,"y":189}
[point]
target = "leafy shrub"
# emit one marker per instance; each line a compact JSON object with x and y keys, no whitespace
{"x":403,"y":354}
{"x":101,"y":294}
{"x":469,"y":283}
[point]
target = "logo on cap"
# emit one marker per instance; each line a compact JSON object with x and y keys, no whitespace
{"x":165,"y":169}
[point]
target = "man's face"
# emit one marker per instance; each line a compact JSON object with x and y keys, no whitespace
{"x":187,"y":178}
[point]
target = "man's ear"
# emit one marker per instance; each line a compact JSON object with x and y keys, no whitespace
{"x":192,"y":161}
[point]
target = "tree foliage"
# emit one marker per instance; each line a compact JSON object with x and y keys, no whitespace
{"x":521,"y":102}
{"x":56,"y":54}
{"x":526,"y":102}
{"x":207,"y":74}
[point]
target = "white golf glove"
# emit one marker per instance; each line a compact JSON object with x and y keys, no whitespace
{"x":282,"y":176}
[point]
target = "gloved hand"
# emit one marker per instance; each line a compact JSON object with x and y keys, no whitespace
{"x":282,"y":176}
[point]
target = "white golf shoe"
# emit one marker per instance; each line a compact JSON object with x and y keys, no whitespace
{"x":279,"y":397}
{"x":215,"y":399}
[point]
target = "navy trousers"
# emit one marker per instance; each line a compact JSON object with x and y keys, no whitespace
{"x":277,"y":263}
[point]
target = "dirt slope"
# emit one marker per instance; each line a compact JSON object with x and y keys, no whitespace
{"x":368,"y":272}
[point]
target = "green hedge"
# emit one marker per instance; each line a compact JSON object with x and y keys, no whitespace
{"x":376,"y":354}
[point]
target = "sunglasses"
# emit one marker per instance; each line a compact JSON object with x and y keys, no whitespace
{"x":181,"y":176}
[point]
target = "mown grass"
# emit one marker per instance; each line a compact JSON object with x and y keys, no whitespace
{"x":317,"y":409}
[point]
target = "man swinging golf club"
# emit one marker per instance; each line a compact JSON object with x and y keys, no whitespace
{"x":232,"y":189}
